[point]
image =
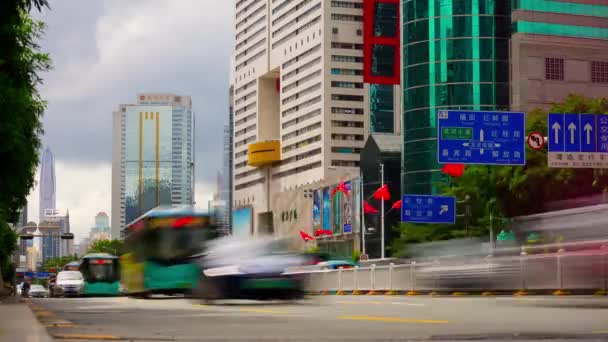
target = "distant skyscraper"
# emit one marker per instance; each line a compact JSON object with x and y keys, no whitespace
{"x":226,"y":188}
{"x":47,"y":183}
{"x":152,"y":156}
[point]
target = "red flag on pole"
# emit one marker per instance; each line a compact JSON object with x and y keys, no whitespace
{"x":396,"y":205}
{"x":454,"y":170}
{"x":320,"y":232}
{"x":382,"y":193}
{"x":341,"y":187}
{"x":305,"y":236}
{"x":368,"y":209}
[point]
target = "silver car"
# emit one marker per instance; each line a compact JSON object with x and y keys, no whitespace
{"x":38,"y":291}
{"x":69,"y":283}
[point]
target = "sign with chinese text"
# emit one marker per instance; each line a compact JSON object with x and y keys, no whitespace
{"x":428,"y":209}
{"x":578,"y":141}
{"x":477,"y":137}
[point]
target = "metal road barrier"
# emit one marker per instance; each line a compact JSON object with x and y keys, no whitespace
{"x":558,"y":272}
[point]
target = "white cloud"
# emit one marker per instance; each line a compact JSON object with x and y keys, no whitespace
{"x":84,"y":190}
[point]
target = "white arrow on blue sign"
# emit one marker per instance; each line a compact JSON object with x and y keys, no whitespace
{"x":578,"y":140}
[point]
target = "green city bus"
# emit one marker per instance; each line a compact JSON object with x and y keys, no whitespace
{"x":162,"y":250}
{"x":101,"y":273}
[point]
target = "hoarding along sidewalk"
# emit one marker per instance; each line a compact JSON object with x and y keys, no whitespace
{"x":18,"y":322}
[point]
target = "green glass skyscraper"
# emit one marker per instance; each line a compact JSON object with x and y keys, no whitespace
{"x":455,"y":55}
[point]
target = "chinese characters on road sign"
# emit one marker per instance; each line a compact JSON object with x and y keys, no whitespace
{"x":428,"y":209}
{"x":578,"y":141}
{"x":474,"y":137}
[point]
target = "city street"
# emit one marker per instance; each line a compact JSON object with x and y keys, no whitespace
{"x":335,"y":318}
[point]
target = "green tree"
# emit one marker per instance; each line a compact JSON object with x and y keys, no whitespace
{"x":59,"y":262}
{"x":114,"y":247}
{"x":21,"y":109}
{"x":497,"y":193}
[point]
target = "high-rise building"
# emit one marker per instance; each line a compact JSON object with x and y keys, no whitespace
{"x":101,"y":230}
{"x":300,"y":102}
{"x":227,"y":161}
{"x":558,"y":48}
{"x":51,"y":242}
{"x":47,"y":183}
{"x":492,"y":55}
{"x":152,"y":156}
{"x":52,"y":217}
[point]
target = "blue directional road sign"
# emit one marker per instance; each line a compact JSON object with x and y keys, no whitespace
{"x":475,"y":137}
{"x":42,"y":275}
{"x":428,"y":209}
{"x":578,"y":140}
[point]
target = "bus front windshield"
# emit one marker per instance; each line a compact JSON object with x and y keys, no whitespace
{"x":100,"y":271}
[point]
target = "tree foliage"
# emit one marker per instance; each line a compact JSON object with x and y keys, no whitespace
{"x":497,"y":193}
{"x":114,"y":247}
{"x":21,"y":108}
{"x":59,"y":262}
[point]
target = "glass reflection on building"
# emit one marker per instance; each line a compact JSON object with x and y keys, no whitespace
{"x":149,"y":159}
{"x":455,"y":55}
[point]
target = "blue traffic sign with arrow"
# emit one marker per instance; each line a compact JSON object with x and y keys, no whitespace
{"x":479,"y":137}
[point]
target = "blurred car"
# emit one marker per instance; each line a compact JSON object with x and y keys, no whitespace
{"x":68,"y":283}
{"x":236,"y":268}
{"x":336,"y":264}
{"x":38,"y":291}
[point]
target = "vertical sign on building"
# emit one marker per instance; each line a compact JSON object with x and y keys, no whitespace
{"x":316,"y":209}
{"x":326,"y":210}
{"x":347,"y":208}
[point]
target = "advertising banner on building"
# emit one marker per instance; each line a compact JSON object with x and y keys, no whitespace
{"x":347,"y":208}
{"x":326,"y":209}
{"x":336,"y":202}
{"x":316,"y":208}
{"x":242,"y":221}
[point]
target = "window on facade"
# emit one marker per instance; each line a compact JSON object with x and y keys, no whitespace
{"x":352,"y":85}
{"x":385,"y":19}
{"x":345,"y":163}
{"x":599,"y":72}
{"x":346,"y":17}
{"x":554,"y":69}
{"x":359,"y":32}
{"x":342,"y":110}
{"x":381,"y":100}
{"x":383,"y":58}
{"x":337,"y":149}
{"x":334,"y":30}
{"x":339,"y":97}
{"x":346,"y":4}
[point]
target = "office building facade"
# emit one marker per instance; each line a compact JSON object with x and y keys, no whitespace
{"x":152,"y":157}
{"x":301,"y":106}
{"x":227,"y":162}
{"x":492,"y":55}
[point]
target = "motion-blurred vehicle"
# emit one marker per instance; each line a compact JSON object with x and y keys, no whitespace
{"x":101,"y":274}
{"x":336,"y":264}
{"x":38,"y":291}
{"x":72,"y":266}
{"x":69,"y":283}
{"x":250,"y":268}
{"x":163,"y":246}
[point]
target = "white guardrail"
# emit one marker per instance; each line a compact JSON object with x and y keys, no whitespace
{"x":559,"y":273}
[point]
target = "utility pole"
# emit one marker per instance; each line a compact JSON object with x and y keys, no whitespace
{"x":363,"y":230}
{"x":382,"y":215}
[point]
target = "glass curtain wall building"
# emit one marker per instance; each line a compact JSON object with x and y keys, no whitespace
{"x":153,"y":157}
{"x":455,"y":55}
{"x":381,"y":61}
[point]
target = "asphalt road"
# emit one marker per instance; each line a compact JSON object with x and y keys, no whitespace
{"x":333,"y":318}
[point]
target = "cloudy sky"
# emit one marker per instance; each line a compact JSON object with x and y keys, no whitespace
{"x":104,"y":52}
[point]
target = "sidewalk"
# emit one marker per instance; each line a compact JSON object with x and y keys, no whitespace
{"x":18,"y":323}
